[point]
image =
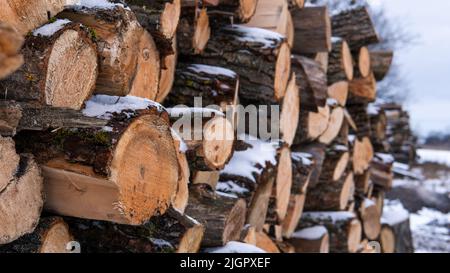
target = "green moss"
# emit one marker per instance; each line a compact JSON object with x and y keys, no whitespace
{"x":52,"y":20}
{"x":92,"y":33}
{"x":97,"y":138}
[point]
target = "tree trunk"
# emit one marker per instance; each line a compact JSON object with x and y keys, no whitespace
{"x":223,"y":217}
{"x":171,"y":232}
{"x":60,"y":68}
{"x":343,"y":227}
{"x":356,"y":27}
{"x":50,"y":236}
{"x":193,"y":31}
{"x":129,"y":60}
{"x":381,"y":62}
{"x":16,"y":117}
{"x":10,"y":44}
{"x":331,"y":195}
{"x":21,"y":195}
{"x":314,"y":239}
{"x":263,"y":64}
{"x":312,"y":125}
{"x":26,"y":15}
{"x":312,"y":30}
{"x":340,"y":62}
{"x":312,"y":81}
{"x":131,"y":163}
{"x":274,"y":15}
{"x":208,"y":135}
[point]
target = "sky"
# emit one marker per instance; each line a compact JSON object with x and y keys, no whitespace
{"x":426,"y":63}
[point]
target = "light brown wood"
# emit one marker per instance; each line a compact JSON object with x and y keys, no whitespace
{"x":209,"y":178}
{"x":304,"y":242}
{"x":10,"y":160}
{"x":60,"y":70}
{"x":387,"y":239}
{"x":381,"y":62}
{"x":10,"y":43}
{"x":334,"y":126}
{"x":167,"y":77}
{"x":370,"y":218}
{"x":129,"y":60}
{"x":364,"y":65}
{"x":283,"y":183}
{"x":290,"y":111}
{"x":365,"y":88}
{"x":312,"y":125}
{"x":181,"y":196}
{"x":339,"y":92}
{"x":264,"y":242}
{"x":26,"y":16}
{"x":294,"y":213}
{"x":21,"y":201}
{"x":362,"y":155}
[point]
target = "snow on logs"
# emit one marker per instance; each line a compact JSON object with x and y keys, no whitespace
{"x":131,"y":162}
{"x":21,"y":186}
{"x":60,"y":67}
{"x":129,"y":59}
{"x":314,"y":239}
{"x":10,"y":44}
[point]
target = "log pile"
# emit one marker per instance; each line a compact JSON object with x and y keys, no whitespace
{"x":105,"y":127}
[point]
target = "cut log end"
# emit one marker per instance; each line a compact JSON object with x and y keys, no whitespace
{"x":282,"y":71}
{"x":334,"y":126}
{"x":294,"y":213}
{"x":354,"y":235}
{"x":290,"y":111}
{"x":283,"y":183}
{"x":387,"y":239}
{"x":347,"y":191}
{"x":339,"y":92}
{"x":371,"y":220}
{"x":56,"y":238}
{"x":143,"y":168}
{"x":167,"y":77}
{"x":10,"y":160}
{"x":191,"y":240}
{"x":170,"y":17}
{"x":364,"y":62}
{"x":347,"y":60}
{"x":71,"y":58}
{"x":202,"y":32}
{"x":318,"y":122}
{"x":219,"y":141}
{"x":247,"y":9}
{"x":235,"y":221}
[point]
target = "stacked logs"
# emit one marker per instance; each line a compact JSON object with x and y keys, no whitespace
{"x":288,"y":127}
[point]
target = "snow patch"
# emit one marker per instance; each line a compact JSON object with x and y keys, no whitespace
{"x":49,"y":29}
{"x":434,"y":156}
{"x":261,"y":36}
{"x":235,"y":247}
{"x":305,"y":158}
{"x":181,"y":111}
{"x":334,"y":216}
{"x":312,"y":233}
{"x":213,"y":70}
{"x":97,"y":4}
{"x":394,"y":213}
{"x":231,"y":187}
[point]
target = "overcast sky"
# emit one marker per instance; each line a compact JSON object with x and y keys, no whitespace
{"x":427,"y":62}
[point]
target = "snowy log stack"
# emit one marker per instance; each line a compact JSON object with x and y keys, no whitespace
{"x":90,"y":155}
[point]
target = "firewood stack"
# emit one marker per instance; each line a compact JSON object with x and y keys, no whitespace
{"x":94,"y":143}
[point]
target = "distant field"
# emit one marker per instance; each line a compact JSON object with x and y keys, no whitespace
{"x":435,"y":156}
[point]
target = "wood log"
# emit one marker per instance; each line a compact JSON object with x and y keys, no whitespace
{"x":293,"y":215}
{"x":381,"y":62}
{"x":171,"y":232}
{"x":60,"y":68}
{"x":261,"y":58}
{"x":223,"y":217}
{"x":331,"y":196}
{"x":274,"y":15}
{"x":355,"y":26}
{"x":15,"y":117}
{"x":362,"y":183}
{"x":26,"y":16}
{"x":248,"y":235}
{"x":290,"y":112}
{"x":317,"y":151}
{"x":168,"y":68}
{"x":208,"y":135}
{"x":129,"y":60}
{"x":10,"y":44}
{"x":381,"y":173}
{"x":266,"y":243}
{"x":312,"y":30}
{"x":50,"y":236}
{"x":181,"y":196}
{"x":279,"y":201}
{"x":311,"y":240}
{"x":228,"y":11}
{"x":340,"y":62}
{"x":296,"y":4}
{"x":343,"y":227}
{"x":322,"y":58}
{"x":339,"y":92}
{"x":131,"y":163}
{"x":312,"y":125}
{"x":396,"y":237}
{"x":370,"y":218}
{"x":302,"y":167}
{"x":21,"y":194}
{"x":362,"y":155}
{"x":193,"y":31}
{"x":312,"y":81}
{"x":363,"y":89}
{"x":337,"y":158}
{"x":209,"y":178}
{"x":362,"y":67}
{"x":358,"y":112}
{"x":378,"y":127}
{"x":335,"y":124}
{"x":255,"y":184}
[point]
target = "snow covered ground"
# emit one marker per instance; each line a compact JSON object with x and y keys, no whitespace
{"x":431,"y":228}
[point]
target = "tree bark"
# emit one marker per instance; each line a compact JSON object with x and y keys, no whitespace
{"x":293,"y":215}
{"x":131,"y":163}
{"x":381,"y":62}
{"x":223,"y":217}
{"x":312,"y":125}
{"x":370,"y":218}
{"x":230,"y":11}
{"x":340,"y":62}
{"x":397,"y":238}
{"x":312,"y":30}
{"x":343,"y":227}
{"x":362,"y":154}
{"x":362,"y":67}
{"x":21,"y":197}
{"x":193,"y":31}
{"x":10,"y":44}
{"x":363,"y":89}
{"x":356,"y":27}
{"x":311,"y":240}
{"x":50,"y":236}
{"x":317,"y":151}
{"x":60,"y":69}
{"x":334,"y":125}
{"x":129,"y":60}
